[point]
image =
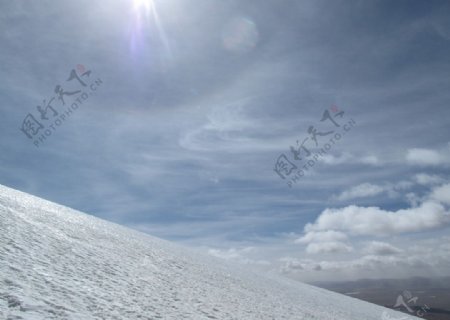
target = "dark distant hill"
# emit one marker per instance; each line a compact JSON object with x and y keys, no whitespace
{"x":425,"y":297}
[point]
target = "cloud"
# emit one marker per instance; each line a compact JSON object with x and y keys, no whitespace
{"x":426,"y":157}
{"x":413,"y":199}
{"x":427,"y":179}
{"x":239,"y":255}
{"x":381,"y":249}
{"x":375,"y":221}
{"x":360,"y":191}
{"x":442,"y":194}
{"x":322,"y":236}
{"x":231,"y":253}
{"x":328,"y":247}
{"x":402,"y":185}
{"x":350,"y":158}
{"x":292,"y":264}
{"x":325,"y":242}
{"x":381,"y":260}
{"x":371,"y":159}
{"x":367,"y":263}
{"x":392,"y":189}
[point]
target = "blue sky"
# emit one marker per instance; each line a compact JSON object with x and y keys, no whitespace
{"x":197,"y":102}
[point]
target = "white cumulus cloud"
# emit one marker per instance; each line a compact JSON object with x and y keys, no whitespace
{"x":376,"y":221}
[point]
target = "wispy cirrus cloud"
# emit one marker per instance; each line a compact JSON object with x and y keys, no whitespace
{"x":360,"y":191}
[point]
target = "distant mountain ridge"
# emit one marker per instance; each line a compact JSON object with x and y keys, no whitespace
{"x":412,"y":283}
{"x":431,"y":296}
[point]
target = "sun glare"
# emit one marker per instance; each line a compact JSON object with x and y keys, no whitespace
{"x":143,"y":5}
{"x":146,"y":20}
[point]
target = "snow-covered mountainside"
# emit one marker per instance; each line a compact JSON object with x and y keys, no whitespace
{"x":58,"y":263}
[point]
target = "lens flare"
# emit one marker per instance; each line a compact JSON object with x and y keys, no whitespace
{"x":240,"y":35}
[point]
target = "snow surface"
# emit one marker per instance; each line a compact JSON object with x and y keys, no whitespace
{"x":58,"y":263}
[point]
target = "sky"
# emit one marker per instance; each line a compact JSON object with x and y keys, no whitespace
{"x":307,"y":138}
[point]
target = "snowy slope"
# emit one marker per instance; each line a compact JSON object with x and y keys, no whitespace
{"x":57,"y":263}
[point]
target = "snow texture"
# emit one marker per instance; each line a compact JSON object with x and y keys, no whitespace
{"x":58,"y":263}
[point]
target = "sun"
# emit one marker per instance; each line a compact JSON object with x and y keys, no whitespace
{"x":145,"y":19}
{"x":143,"y":5}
